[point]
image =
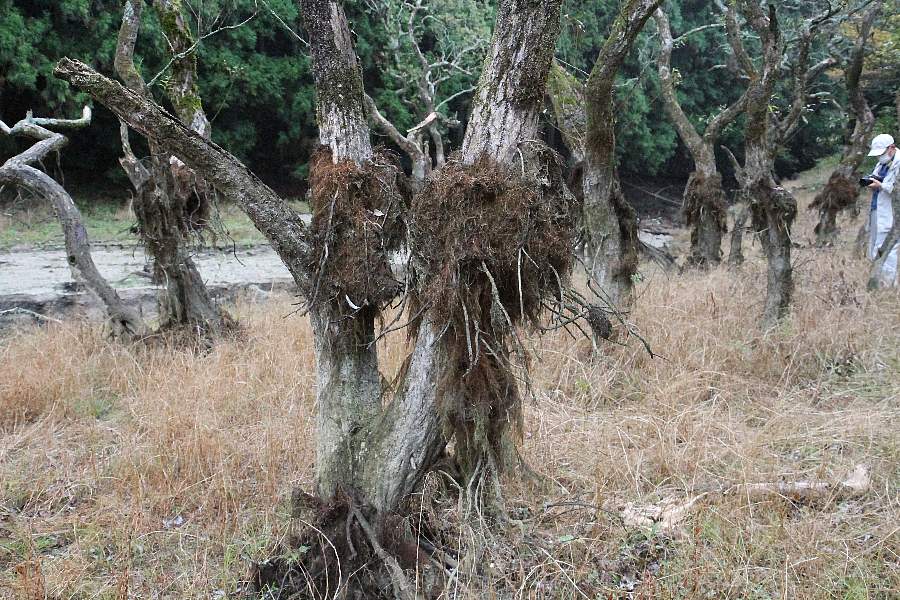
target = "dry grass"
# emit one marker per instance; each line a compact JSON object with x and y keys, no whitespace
{"x":103,"y":448}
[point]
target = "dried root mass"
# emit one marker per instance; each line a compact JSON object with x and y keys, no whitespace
{"x":491,"y":245}
{"x":356,"y":223}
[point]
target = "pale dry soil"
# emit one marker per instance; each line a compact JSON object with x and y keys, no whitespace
{"x":158,"y":472}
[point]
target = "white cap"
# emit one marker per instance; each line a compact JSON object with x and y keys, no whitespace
{"x":880,"y":144}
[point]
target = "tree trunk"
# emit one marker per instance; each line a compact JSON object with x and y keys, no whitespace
{"x":736,"y":252}
{"x":165,"y":213}
{"x":704,"y":204}
{"x":704,"y":208}
{"x":567,"y":100}
{"x":841,"y":192}
{"x":610,"y":222}
{"x":374,"y":448}
{"x":772,"y":207}
{"x":181,"y":88}
{"x":19,"y":172}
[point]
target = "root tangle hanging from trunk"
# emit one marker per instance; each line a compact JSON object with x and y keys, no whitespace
{"x":705,"y":210}
{"x":839,"y":194}
{"x":356,"y":224}
{"x":491,"y":244}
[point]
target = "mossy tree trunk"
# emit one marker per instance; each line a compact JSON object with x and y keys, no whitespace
{"x":841,"y":191}
{"x":704,"y":205}
{"x":771,"y":207}
{"x":184,"y":94}
{"x":165,"y":214}
{"x":610,"y":222}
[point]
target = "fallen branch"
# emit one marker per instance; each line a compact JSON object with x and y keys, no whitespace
{"x":666,"y":514}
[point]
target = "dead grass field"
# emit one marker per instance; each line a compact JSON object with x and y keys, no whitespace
{"x":157,"y":473}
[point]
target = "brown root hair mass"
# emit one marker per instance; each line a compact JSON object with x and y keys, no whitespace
{"x":490,"y":244}
{"x":840,"y":193}
{"x":704,"y":193}
{"x":356,"y":223}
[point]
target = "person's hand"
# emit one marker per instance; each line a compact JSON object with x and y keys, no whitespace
{"x":875,"y":185}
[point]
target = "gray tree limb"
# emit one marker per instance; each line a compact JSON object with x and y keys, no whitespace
{"x":18,"y":171}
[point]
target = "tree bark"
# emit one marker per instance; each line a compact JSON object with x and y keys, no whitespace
{"x":506,"y":104}
{"x":165,"y":213}
{"x":609,"y":220}
{"x":841,"y":191}
{"x":567,"y":100}
{"x":19,"y":172}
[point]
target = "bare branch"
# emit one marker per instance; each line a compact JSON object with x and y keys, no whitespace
{"x":270,"y":214}
{"x":17,"y":171}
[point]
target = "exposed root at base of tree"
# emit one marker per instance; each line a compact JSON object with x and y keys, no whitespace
{"x":345,"y":550}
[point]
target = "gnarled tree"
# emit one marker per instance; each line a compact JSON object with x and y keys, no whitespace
{"x":772,"y":207}
{"x":19,"y":171}
{"x":610,"y":222}
{"x":704,"y":204}
{"x":469,"y":290}
{"x":171,"y":204}
{"x":841,"y":191}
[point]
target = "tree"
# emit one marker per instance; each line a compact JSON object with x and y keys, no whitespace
{"x":18,"y":171}
{"x":609,"y":220}
{"x":469,"y":287}
{"x":841,"y":191}
{"x":771,"y":206}
{"x":170,"y":204}
{"x":704,"y":203}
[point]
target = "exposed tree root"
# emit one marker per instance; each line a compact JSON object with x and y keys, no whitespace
{"x":490,"y":246}
{"x":839,"y":194}
{"x":704,"y":212}
{"x":356,"y":223}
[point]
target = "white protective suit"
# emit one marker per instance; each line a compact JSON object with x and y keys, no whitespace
{"x":881,"y":217}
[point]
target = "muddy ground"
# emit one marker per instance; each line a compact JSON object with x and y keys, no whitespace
{"x":36,"y":284}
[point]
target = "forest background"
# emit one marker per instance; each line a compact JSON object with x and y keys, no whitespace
{"x":257,"y":86}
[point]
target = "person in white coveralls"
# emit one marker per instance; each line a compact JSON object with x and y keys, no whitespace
{"x":884,"y":180}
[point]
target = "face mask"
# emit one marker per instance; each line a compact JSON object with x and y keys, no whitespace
{"x":885,"y":159}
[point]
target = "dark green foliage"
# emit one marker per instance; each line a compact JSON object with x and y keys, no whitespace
{"x":257,"y":88}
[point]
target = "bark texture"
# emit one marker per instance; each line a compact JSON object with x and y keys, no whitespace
{"x":507,"y":101}
{"x":610,"y":222}
{"x":19,"y":171}
{"x":567,"y":100}
{"x":704,"y":206}
{"x":841,"y":191}
{"x":170,"y":203}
